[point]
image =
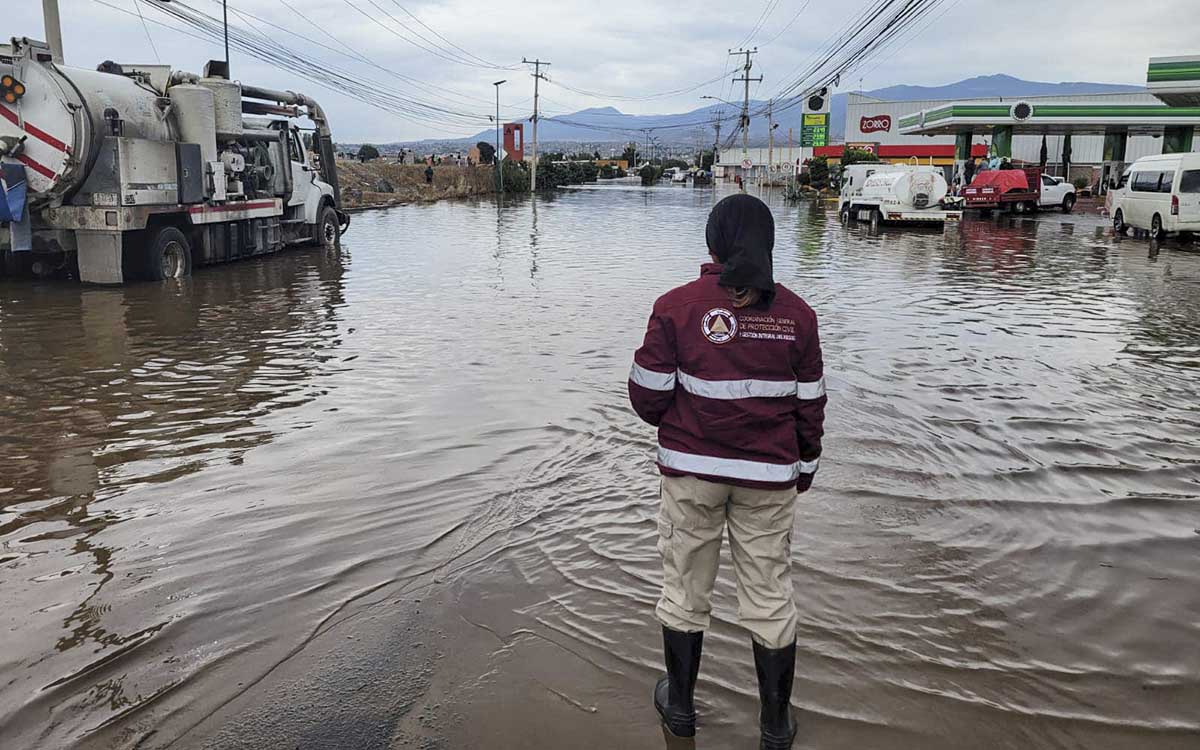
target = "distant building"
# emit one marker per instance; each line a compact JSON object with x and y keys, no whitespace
{"x":729,"y":163}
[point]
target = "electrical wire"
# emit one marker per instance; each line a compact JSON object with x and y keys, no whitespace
{"x":452,"y":44}
{"x":789,"y":24}
{"x":879,"y":24}
{"x":370,"y":92}
{"x":138,"y":8}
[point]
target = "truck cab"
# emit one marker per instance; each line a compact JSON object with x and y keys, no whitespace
{"x":1056,"y":192}
{"x":306,"y":193}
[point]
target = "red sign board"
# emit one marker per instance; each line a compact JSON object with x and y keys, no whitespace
{"x":875,"y":124}
{"x":514,"y":141}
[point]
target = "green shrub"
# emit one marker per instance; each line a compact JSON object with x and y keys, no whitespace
{"x":818,"y":172}
{"x":650,"y":174}
{"x":516,"y":176}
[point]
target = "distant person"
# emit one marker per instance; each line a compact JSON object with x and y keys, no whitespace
{"x":731,"y":374}
{"x":428,"y":174}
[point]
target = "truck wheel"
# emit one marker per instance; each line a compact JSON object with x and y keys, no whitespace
{"x":1156,"y":229}
{"x":168,"y":256}
{"x":325,"y":231}
{"x":1068,"y":204}
{"x":844,"y":215}
{"x":1119,"y":225}
{"x":985,"y":213}
{"x":876,"y":221}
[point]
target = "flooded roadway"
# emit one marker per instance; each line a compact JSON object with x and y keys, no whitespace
{"x":394,"y":496}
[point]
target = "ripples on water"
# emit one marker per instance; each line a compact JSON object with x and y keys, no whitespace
{"x":200,"y":482}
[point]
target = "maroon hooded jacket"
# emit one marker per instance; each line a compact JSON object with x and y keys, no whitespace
{"x":738,"y":395}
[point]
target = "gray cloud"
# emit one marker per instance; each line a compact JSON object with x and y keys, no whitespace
{"x":620,"y":46}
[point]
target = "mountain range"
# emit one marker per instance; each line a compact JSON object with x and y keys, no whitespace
{"x":609,"y":125}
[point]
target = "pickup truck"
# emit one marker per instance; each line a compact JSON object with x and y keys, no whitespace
{"x":1020,"y":190}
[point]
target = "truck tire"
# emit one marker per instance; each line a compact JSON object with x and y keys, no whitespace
{"x":844,"y":215}
{"x":876,"y":221}
{"x":1068,"y":204}
{"x":325,"y":231}
{"x":1156,"y":229}
{"x":168,"y":255}
{"x":1119,"y":225}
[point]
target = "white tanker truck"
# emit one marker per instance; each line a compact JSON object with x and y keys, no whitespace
{"x":896,"y":193}
{"x":141,"y":172}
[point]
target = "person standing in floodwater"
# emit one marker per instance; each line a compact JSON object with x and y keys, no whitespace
{"x":731,"y":374}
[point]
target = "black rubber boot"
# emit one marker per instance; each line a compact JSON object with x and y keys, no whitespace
{"x":673,"y":693}
{"x":776,"y":668}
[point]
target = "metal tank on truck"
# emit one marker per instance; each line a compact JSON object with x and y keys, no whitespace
{"x":896,"y":193}
{"x":142,"y":172}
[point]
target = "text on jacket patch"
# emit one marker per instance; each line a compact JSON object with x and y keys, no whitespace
{"x":767,"y":327}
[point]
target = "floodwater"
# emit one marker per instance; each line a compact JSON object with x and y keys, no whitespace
{"x":393,"y":496}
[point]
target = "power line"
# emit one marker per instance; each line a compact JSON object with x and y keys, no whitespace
{"x":138,"y":8}
{"x":879,"y":24}
{"x":369,"y":92}
{"x":452,"y":44}
{"x":788,"y":25}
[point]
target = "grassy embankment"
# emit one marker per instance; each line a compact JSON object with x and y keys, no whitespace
{"x":385,"y":183}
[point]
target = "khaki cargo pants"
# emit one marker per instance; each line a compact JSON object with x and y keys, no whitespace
{"x":691,"y":521}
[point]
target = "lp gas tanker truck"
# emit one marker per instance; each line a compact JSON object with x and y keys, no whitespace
{"x":896,"y":193}
{"x":142,"y":172}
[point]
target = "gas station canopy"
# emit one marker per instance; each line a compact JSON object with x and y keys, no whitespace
{"x":1173,"y":80}
{"x":1027,"y":118}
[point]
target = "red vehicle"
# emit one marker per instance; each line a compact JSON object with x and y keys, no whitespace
{"x":1022,"y":189}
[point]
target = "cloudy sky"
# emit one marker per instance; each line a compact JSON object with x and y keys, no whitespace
{"x":435,"y":57}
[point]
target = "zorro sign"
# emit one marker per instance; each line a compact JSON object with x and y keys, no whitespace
{"x":875,"y":124}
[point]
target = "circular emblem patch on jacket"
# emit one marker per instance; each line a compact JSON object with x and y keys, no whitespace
{"x":719,"y":325}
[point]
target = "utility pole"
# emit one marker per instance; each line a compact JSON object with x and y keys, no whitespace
{"x":716,"y":144}
{"x":770,"y":138}
{"x":791,"y":163}
{"x":746,"y":79}
{"x":497,"y":163}
{"x":537,"y":76}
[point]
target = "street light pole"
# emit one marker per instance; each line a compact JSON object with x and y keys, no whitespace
{"x":497,"y":164}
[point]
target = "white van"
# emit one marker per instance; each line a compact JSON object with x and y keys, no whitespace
{"x":1160,"y":194}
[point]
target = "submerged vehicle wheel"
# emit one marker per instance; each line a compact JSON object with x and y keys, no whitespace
{"x":325,"y":231}
{"x":876,"y":221}
{"x":168,"y":256}
{"x":1156,"y":229}
{"x":844,"y":215}
{"x":1068,"y":204}
{"x":1119,"y":225}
